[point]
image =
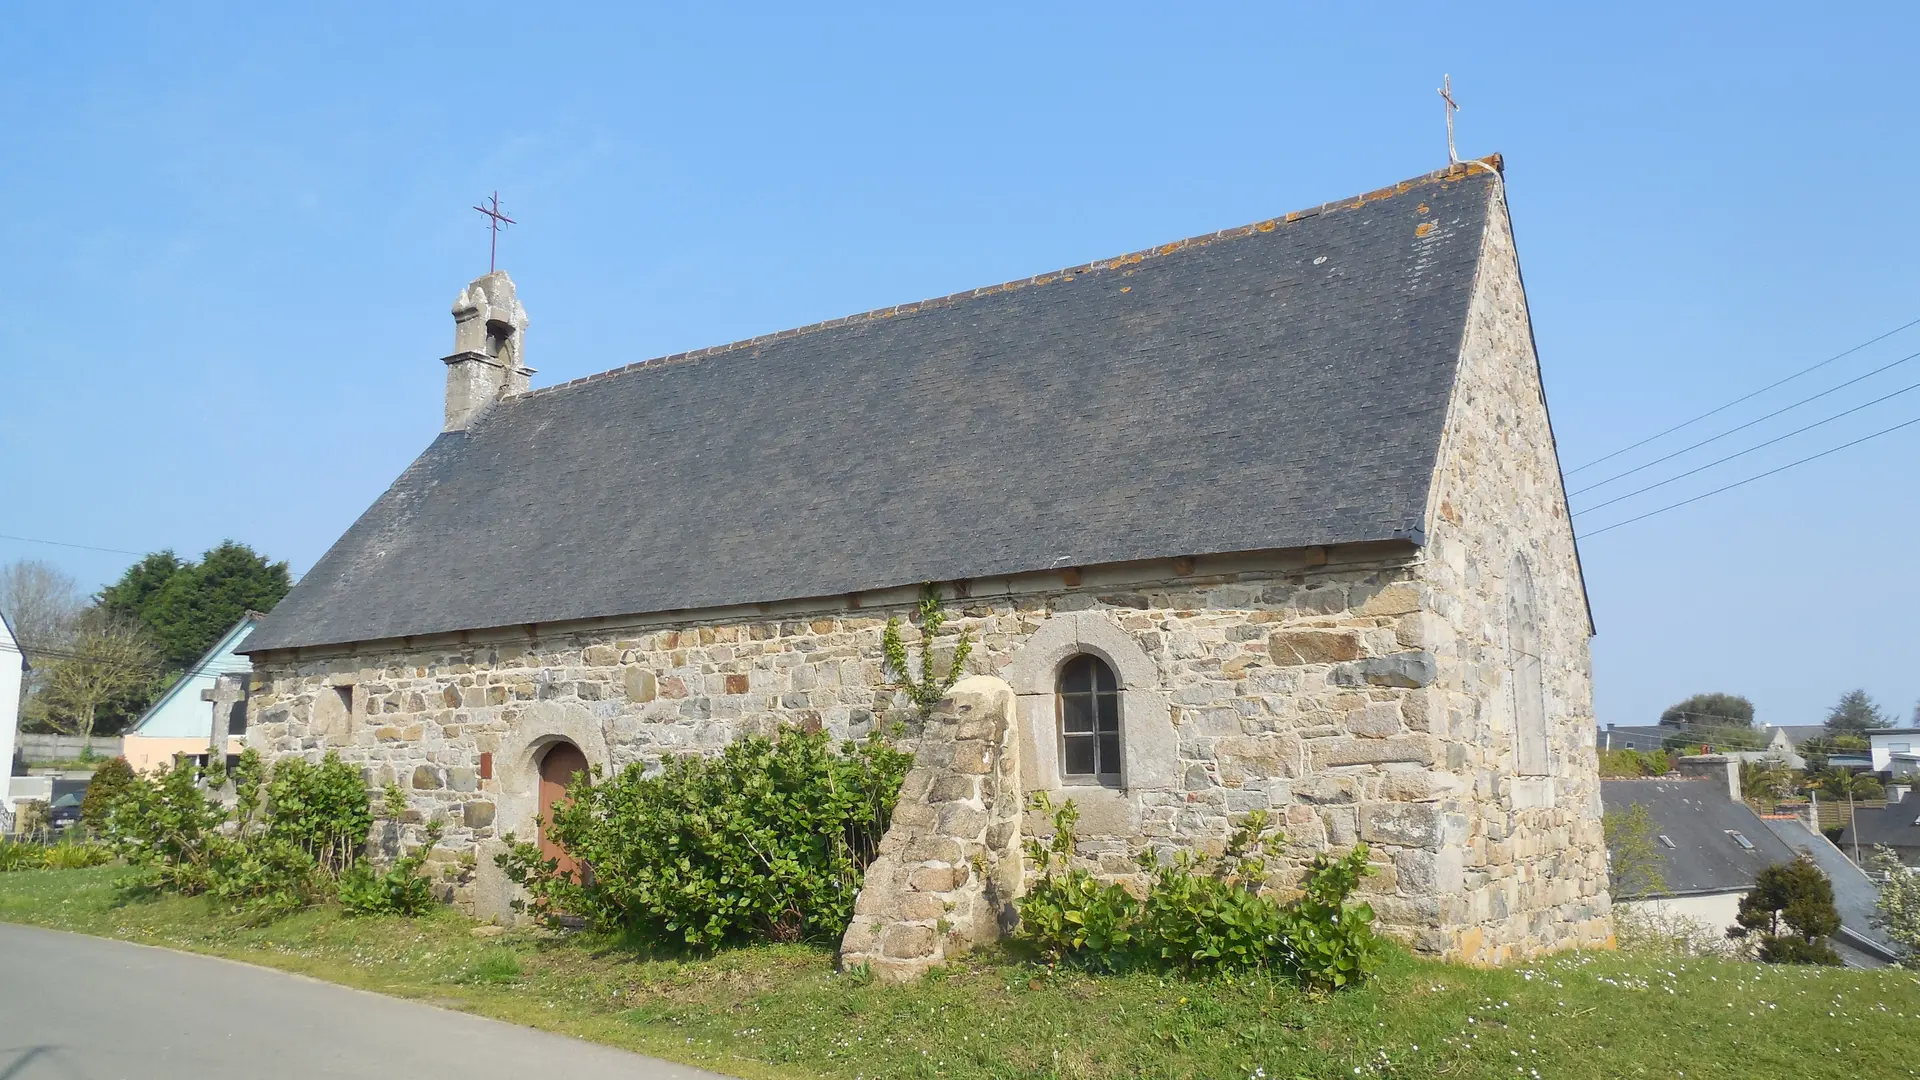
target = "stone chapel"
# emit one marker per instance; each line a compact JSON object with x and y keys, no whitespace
{"x":1268,"y":518}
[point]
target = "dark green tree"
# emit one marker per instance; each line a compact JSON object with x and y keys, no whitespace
{"x":109,"y":780}
{"x":1791,"y":909}
{"x":1855,"y":713}
{"x":1710,"y":710}
{"x":186,"y":606}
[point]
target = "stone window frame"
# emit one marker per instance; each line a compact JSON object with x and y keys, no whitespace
{"x":1149,"y":745}
{"x":1532,"y":734}
{"x":1117,"y":777}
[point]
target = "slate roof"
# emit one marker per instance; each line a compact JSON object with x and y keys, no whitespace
{"x":1273,"y":386}
{"x":1855,"y":896}
{"x":1696,"y":815}
{"x":1894,"y":825}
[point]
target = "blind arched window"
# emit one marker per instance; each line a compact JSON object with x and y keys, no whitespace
{"x":1531,"y":751}
{"x":1089,"y":698}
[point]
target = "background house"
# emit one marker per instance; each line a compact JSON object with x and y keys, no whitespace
{"x":1895,"y":826}
{"x":1712,"y":847}
{"x":1894,"y":751}
{"x":182,"y":720}
{"x":13,"y":665}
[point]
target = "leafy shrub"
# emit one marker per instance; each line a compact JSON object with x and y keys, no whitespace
{"x":321,"y":809}
{"x":109,"y":780}
{"x":767,"y":841}
{"x":278,"y":848}
{"x":1632,"y":763}
{"x":1068,"y":912}
{"x":1634,"y":863}
{"x":1200,"y":914}
{"x":1898,"y":910}
{"x":72,"y":854}
{"x":1791,"y":911}
{"x":404,"y":888}
{"x":17,"y":856}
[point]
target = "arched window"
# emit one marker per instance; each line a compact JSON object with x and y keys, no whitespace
{"x":1531,"y":757}
{"x":1089,"y":698}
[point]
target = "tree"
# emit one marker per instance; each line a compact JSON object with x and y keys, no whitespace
{"x":1822,"y":747}
{"x":1855,"y":713}
{"x":110,"y":659}
{"x":186,"y":606}
{"x":1791,"y":909}
{"x":41,"y":604}
{"x":1709,"y":710}
{"x":112,"y":777}
{"x":1633,"y":855}
{"x":1763,"y":779}
{"x":1898,"y":910}
{"x":1846,"y":784}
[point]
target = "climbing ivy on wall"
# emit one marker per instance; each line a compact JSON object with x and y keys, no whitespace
{"x":926,"y":689}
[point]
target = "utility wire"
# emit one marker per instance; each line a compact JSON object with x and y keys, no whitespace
{"x":63,"y":543}
{"x":1750,"y":423}
{"x":1748,"y":450}
{"x":1746,"y":397}
{"x":1751,"y":479}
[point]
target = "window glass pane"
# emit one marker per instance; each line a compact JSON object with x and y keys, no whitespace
{"x":1079,"y":755}
{"x":1109,"y":755}
{"x":1102,"y":675}
{"x":1077,"y":676}
{"x":1109,"y":711}
{"x":1076,"y":712}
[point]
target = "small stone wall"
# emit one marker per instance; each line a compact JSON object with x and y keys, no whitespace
{"x":949,"y":867}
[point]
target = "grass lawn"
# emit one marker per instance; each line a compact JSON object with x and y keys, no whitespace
{"x":783,"y":1012}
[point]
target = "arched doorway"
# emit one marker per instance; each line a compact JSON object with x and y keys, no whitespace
{"x":558,"y":766}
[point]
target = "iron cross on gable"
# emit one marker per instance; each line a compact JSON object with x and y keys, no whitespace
{"x":1446,"y":95}
{"x":494,"y":225}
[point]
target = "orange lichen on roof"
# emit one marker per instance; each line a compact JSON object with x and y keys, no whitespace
{"x":1423,"y":228}
{"x":1453,"y":172}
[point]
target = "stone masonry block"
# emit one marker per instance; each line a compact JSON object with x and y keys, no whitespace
{"x":1405,"y":824}
{"x":1347,"y":750}
{"x":1289,"y":647}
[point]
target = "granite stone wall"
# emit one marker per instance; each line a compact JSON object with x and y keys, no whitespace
{"x":1297,"y":685}
{"x":1523,"y":864}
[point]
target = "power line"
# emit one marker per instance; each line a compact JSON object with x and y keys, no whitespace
{"x":1747,"y":397}
{"x":1743,"y":453}
{"x":1751,"y":479}
{"x":1750,"y":423}
{"x":63,"y":543}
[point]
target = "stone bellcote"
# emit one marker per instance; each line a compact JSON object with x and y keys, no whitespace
{"x":489,"y":349}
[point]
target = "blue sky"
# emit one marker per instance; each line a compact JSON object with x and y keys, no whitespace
{"x":231,"y":235}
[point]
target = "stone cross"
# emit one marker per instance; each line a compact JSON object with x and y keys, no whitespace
{"x":1446,"y":95}
{"x":228,"y":691}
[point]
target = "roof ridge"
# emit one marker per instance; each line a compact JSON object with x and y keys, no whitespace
{"x":1456,"y":171}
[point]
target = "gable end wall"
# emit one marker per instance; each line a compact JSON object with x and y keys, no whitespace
{"x":1531,"y":855}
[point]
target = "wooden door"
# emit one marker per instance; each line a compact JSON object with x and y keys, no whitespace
{"x":557,"y":770}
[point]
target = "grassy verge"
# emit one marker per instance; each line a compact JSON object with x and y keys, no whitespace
{"x":783,"y":1012}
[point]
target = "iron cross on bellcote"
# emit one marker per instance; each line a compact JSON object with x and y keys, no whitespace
{"x":496,"y":221}
{"x":1446,"y":95}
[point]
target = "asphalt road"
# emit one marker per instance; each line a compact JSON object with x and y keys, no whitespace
{"x":81,"y":1008}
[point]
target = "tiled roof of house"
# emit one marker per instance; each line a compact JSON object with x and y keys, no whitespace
{"x":1893,"y":825}
{"x":1278,"y":385}
{"x":1702,"y":828}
